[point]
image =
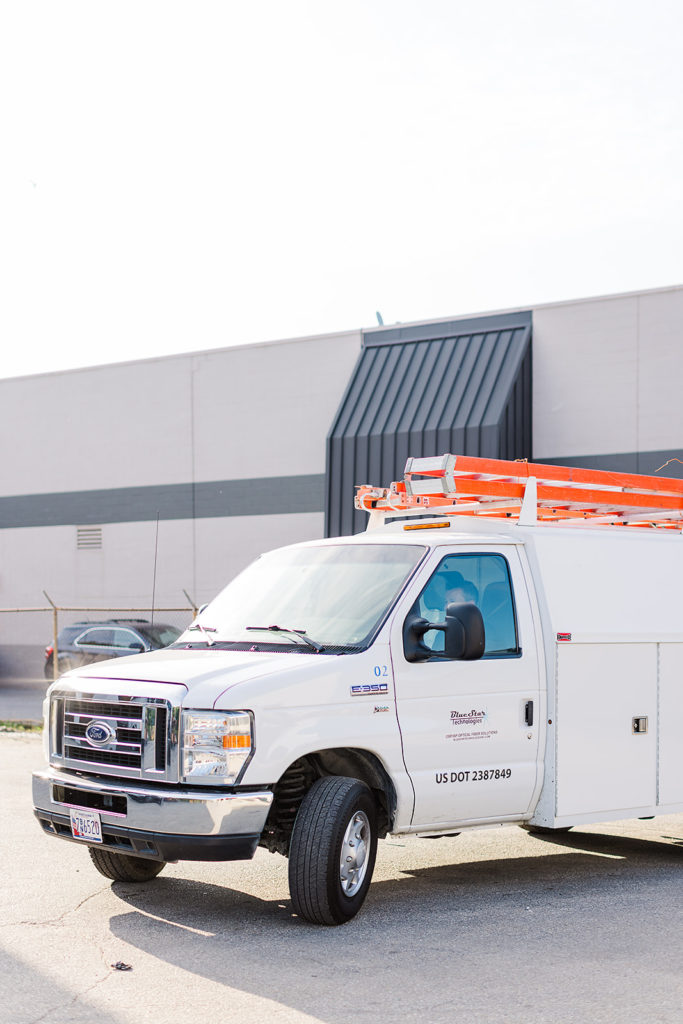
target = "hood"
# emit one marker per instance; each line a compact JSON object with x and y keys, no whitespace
{"x":207,"y":674}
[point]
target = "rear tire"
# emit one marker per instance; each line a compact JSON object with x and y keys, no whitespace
{"x":332,"y":851}
{"x":123,"y":868}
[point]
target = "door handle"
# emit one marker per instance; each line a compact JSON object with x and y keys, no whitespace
{"x":529,"y":712}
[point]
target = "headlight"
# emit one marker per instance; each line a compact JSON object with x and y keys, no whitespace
{"x":216,"y":746}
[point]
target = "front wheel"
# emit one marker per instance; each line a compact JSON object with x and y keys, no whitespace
{"x":332,"y":851}
{"x":123,"y":868}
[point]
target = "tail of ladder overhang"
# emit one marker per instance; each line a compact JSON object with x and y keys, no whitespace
{"x":527,"y":491}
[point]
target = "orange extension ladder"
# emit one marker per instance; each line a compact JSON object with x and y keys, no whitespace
{"x":530,"y":492}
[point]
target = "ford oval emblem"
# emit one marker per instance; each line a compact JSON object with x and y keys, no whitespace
{"x":98,"y":733}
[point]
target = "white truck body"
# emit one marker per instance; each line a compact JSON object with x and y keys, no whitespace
{"x":580,"y":721}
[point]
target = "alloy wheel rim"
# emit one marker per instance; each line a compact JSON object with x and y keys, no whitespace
{"x":355,"y":848}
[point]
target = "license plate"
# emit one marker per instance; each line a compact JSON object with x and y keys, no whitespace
{"x":86,"y":825}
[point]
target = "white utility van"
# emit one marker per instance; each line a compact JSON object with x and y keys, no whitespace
{"x":503,"y":645}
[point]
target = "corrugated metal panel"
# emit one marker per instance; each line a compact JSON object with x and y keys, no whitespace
{"x":462,"y":386}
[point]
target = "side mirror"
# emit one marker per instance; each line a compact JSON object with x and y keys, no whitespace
{"x":464,"y":636}
{"x":136,"y":646}
{"x":414,"y":628}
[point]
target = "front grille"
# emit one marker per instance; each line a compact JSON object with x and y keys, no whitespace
{"x":105,"y":709}
{"x":132,"y":739}
{"x":161,"y":739}
{"x":104,"y":757}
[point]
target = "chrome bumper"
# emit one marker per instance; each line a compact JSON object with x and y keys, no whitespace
{"x":170,"y":823}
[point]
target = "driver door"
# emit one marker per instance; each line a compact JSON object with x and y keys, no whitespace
{"x":470,"y":729}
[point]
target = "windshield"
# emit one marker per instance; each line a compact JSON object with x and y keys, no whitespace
{"x":337,"y":594}
{"x":161,"y":635}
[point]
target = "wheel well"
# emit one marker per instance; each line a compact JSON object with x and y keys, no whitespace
{"x":294,"y":783}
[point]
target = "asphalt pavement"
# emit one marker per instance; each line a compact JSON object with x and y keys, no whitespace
{"x":494,"y":926}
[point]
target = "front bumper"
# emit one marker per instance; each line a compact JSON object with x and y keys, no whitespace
{"x":163,"y":823}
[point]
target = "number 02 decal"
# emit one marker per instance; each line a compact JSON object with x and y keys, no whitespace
{"x":381,"y":671}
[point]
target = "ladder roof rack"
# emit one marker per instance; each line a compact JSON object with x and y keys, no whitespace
{"x":529,"y":492}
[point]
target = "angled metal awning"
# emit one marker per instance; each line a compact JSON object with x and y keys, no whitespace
{"x":462,"y":386}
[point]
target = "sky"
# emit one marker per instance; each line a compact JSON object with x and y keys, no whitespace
{"x":179,"y":176}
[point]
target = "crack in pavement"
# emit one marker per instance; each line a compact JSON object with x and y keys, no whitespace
{"x":55,"y":920}
{"x":72,"y":1001}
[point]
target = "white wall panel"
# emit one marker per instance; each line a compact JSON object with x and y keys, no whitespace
{"x":585,"y":389}
{"x":660,"y":371}
{"x":265,"y":410}
{"x":110,"y":426}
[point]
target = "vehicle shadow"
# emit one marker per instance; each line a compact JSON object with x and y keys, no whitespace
{"x":260,"y":947}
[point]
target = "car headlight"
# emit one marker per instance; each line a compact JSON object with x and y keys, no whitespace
{"x":216,"y":746}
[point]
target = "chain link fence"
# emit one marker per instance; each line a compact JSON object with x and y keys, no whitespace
{"x":44,"y":641}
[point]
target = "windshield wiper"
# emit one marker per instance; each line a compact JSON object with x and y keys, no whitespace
{"x":297,"y":632}
{"x":205,"y":630}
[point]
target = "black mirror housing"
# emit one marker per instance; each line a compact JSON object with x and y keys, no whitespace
{"x":414,"y":628}
{"x":464,"y":637}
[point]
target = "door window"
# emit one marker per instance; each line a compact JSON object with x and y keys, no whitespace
{"x":96,"y":638}
{"x":126,"y":638}
{"x":484,"y":580}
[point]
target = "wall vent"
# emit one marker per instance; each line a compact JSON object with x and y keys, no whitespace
{"x":88,"y":538}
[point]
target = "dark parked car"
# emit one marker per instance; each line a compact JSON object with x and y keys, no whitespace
{"x":84,"y":642}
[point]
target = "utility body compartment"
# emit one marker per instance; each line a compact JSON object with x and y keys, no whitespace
{"x":613,"y":615}
{"x":468,"y":669}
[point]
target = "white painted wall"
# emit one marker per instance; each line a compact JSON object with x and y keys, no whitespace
{"x":266,"y":409}
{"x":608,"y":375}
{"x":231,"y":414}
{"x":125,"y":425}
{"x":660,"y":371}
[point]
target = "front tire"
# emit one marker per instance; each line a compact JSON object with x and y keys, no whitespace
{"x":123,"y":868}
{"x":332,"y":851}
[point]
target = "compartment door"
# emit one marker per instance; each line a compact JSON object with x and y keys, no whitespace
{"x":601,"y":763}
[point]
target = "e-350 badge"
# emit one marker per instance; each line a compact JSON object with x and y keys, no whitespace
{"x":369,"y":690}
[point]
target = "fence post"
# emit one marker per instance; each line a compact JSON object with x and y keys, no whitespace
{"x":55,"y":632}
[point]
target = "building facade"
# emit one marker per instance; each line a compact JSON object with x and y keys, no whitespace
{"x":169,"y":475}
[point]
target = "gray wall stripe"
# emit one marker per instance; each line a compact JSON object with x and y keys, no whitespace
{"x":625,"y":462}
{"x":260,"y":496}
{"x":214,"y":499}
